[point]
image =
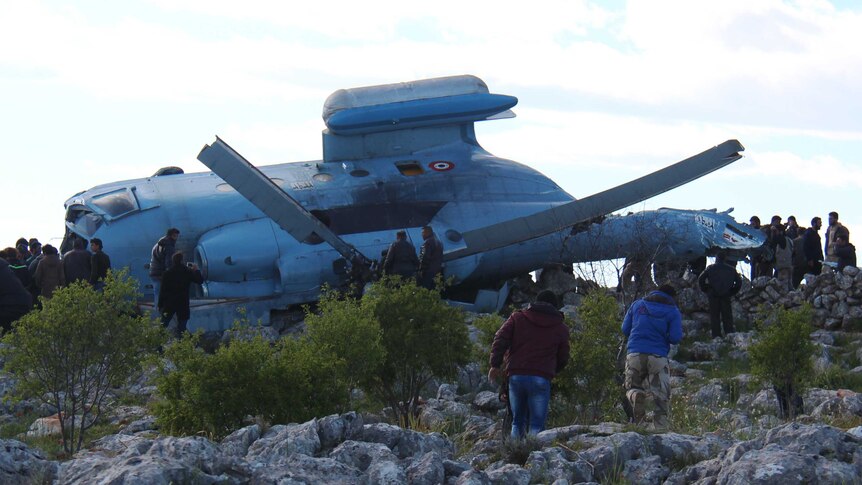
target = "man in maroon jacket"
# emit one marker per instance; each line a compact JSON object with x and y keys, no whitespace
{"x":537,"y":341}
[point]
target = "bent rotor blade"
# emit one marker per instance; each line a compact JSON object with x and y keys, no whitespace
{"x":277,"y":204}
{"x":555,"y":219}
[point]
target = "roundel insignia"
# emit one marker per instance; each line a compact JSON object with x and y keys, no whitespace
{"x":441,"y":166}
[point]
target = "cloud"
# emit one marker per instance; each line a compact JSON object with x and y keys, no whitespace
{"x":719,"y":56}
{"x":791,"y":170}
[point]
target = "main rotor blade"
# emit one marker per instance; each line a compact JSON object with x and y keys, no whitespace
{"x":261,"y":191}
{"x":555,"y":219}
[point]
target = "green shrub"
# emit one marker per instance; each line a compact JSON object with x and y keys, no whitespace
{"x":289,"y":381}
{"x":834,"y":377}
{"x":487,"y":326}
{"x":782,"y":353}
{"x":393,"y":341}
{"x":589,"y":385}
{"x":77,"y":347}
{"x":343,"y":328}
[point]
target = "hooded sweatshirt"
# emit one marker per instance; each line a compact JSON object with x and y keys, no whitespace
{"x":652,"y":324}
{"x":537,"y":340}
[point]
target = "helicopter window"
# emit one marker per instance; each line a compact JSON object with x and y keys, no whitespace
{"x":115,"y":204}
{"x":84,"y":220}
{"x":453,"y":235}
{"x":322,"y":177}
{"x":409,"y":168}
{"x":360,"y":173}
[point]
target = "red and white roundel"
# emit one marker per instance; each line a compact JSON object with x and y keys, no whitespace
{"x":441,"y":166}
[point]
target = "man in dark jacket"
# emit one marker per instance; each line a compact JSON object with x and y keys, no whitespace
{"x":99,"y":264}
{"x":845,"y":252}
{"x":160,"y":259}
{"x":76,"y":263}
{"x":812,"y":248}
{"x":720,"y":282}
{"x":401,"y":257}
{"x":651,"y":325}
{"x":430,"y":258}
{"x":174,"y":296}
{"x":537,"y":341}
{"x":15,"y":300}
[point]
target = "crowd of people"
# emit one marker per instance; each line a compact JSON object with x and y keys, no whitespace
{"x":531,"y":346}
{"x":29,"y":270}
{"x":792,"y":251}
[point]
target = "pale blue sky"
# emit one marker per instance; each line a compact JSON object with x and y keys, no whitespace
{"x":92,"y":92}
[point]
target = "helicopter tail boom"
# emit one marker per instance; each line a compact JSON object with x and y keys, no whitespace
{"x":569,"y":214}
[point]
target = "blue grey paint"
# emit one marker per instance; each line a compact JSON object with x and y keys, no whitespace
{"x":430,"y":173}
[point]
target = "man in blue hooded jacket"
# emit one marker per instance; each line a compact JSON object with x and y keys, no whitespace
{"x":651,"y":325}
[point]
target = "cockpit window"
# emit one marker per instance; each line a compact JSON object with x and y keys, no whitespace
{"x":115,"y":204}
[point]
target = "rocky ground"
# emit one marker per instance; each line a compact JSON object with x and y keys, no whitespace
{"x":724,"y":430}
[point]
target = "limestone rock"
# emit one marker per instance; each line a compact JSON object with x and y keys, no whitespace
{"x":282,"y":441}
{"x":427,"y":470}
{"x":488,"y":401}
{"x":509,"y":474}
{"x":361,"y":455}
{"x":238,"y":442}
{"x":552,"y":464}
{"x":298,"y":468}
{"x":21,"y":465}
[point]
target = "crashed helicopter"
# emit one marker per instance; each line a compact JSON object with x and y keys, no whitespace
{"x":397,"y":156}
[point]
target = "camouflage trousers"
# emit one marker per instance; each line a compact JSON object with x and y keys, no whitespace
{"x":648,"y":378}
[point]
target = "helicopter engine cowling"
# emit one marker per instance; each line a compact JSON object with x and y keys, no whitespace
{"x":239,"y":260}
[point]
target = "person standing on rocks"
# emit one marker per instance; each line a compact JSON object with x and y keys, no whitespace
{"x":401,"y":257}
{"x":811,"y":247}
{"x":651,"y":325}
{"x":720,"y":282}
{"x":537,"y":342}
{"x":99,"y":264}
{"x":430,"y":258}
{"x":50,"y":273}
{"x":76,"y":263}
{"x":174,"y":291}
{"x":160,"y":260}
{"x":845,"y":252}
{"x":833,"y":231}
{"x":15,"y":300}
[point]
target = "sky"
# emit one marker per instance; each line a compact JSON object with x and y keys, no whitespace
{"x":94,"y":91}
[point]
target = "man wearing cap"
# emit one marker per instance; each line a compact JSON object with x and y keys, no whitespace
{"x":537,"y":342}
{"x":651,"y":325}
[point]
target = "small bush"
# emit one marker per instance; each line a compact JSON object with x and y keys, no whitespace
{"x":487,"y":326}
{"x":213,"y":394}
{"x":782,"y":353}
{"x":79,"y":345}
{"x":834,"y":377}
{"x":393,"y":341}
{"x":588,"y":387}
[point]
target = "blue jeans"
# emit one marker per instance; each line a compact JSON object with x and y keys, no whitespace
{"x":157,"y":284}
{"x":528,"y":395}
